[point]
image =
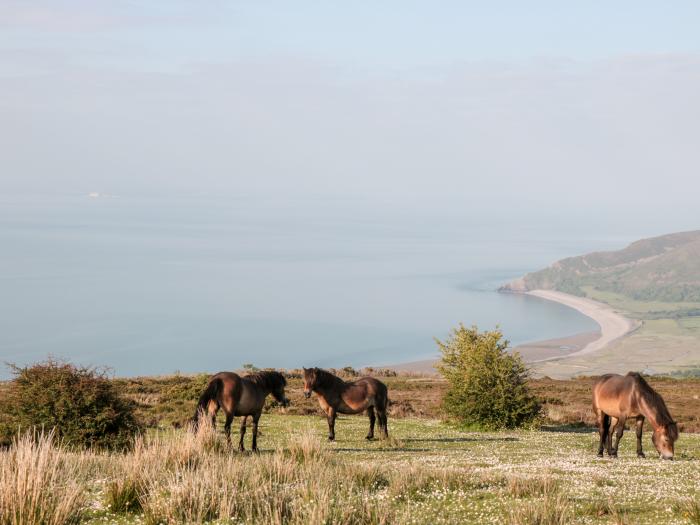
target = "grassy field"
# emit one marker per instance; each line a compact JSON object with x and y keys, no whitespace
{"x":427,"y":472}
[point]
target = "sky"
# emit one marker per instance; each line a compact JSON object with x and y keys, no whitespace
{"x":541,"y":108}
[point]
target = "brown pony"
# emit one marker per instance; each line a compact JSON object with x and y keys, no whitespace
{"x":616,"y":397}
{"x":336,"y":396}
{"x":240,"y":396}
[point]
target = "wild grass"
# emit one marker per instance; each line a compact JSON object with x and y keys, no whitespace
{"x":551,"y":510}
{"x":690,"y":509}
{"x":440,"y":475}
{"x":526,"y":487}
{"x":40,"y":483}
{"x":609,"y":509}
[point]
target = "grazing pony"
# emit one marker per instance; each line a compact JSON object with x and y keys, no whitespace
{"x":337,"y":396}
{"x":616,"y":397}
{"x":240,"y":396}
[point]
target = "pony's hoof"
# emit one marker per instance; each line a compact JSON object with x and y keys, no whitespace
{"x":641,"y":455}
{"x":599,"y":454}
{"x":369,"y":438}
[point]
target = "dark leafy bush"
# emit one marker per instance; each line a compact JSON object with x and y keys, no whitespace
{"x":80,"y":403}
{"x":487,"y":383}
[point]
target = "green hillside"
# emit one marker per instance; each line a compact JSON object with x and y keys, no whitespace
{"x":657,"y":276}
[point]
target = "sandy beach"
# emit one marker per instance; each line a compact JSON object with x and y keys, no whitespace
{"x":613,"y":326}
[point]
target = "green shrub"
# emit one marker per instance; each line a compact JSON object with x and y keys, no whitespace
{"x":487,"y":384}
{"x":80,"y":404}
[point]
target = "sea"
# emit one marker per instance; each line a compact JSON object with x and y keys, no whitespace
{"x":153,"y":284}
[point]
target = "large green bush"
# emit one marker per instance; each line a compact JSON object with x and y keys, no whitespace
{"x":487,"y":383}
{"x":80,"y":403}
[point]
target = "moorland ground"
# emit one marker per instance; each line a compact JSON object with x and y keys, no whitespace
{"x":429,"y":471}
{"x":170,"y":400}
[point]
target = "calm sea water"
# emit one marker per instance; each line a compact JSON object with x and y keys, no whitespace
{"x":156,"y":285}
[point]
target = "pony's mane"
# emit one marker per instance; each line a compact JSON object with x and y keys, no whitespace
{"x":655,"y":401}
{"x":324,"y":378}
{"x":270,"y":379}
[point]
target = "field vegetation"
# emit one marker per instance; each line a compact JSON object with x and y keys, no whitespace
{"x":433,"y":468}
{"x":428,"y":472}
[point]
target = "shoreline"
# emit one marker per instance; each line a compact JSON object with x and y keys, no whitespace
{"x":613,"y":326}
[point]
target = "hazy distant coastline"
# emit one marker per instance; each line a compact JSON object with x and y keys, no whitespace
{"x":613,"y":326}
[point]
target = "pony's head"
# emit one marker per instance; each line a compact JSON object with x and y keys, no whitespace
{"x":310,"y":380}
{"x":278,"y":383}
{"x":274,"y":382}
{"x":664,"y":437}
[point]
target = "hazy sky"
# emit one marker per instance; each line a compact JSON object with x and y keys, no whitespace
{"x":437,"y":106}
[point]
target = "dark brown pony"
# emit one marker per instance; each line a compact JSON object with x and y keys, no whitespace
{"x":616,"y":398}
{"x":339,"y":397}
{"x":240,"y":396}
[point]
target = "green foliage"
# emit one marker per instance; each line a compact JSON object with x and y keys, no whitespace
{"x":487,"y":384}
{"x":80,"y":403}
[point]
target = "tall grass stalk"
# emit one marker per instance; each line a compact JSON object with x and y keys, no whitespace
{"x":39,"y":483}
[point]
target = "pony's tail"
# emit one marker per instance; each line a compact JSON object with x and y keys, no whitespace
{"x":211,"y":392}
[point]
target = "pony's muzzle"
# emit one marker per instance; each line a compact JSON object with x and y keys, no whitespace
{"x":307,"y":394}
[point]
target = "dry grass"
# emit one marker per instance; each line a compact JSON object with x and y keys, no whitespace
{"x":690,"y":509}
{"x":39,"y":483}
{"x":296,"y":485}
{"x":440,"y":475}
{"x":551,"y":510}
{"x":526,"y":487}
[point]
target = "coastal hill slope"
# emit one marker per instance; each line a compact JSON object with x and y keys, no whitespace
{"x":660,"y":269}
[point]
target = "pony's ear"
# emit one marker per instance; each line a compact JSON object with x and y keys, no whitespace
{"x":304,"y":369}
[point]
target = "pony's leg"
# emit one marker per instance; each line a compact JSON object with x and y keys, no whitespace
{"x":256,"y":418}
{"x":640,"y":426}
{"x":608,"y":438}
{"x":603,"y":422}
{"x":331,"y":423}
{"x":619,"y":430}
{"x":227,"y":427}
{"x":383,"y":423}
{"x":244,"y":420}
{"x":372,"y":418}
{"x":213,"y":409}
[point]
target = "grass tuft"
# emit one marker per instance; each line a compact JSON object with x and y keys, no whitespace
{"x":522,"y":487}
{"x":39,"y":483}
{"x":690,"y":510}
{"x":551,"y":510}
